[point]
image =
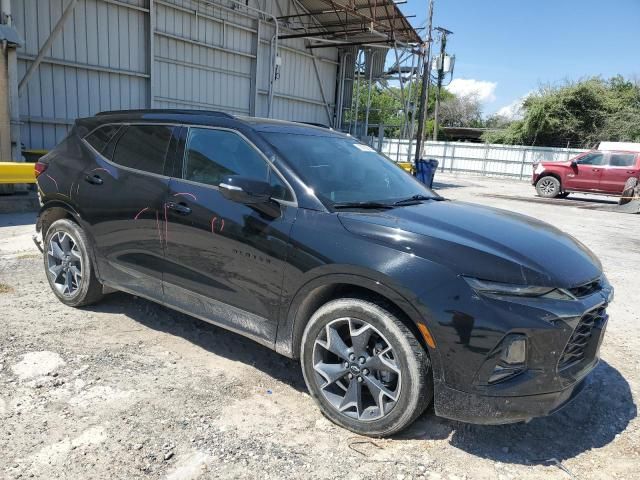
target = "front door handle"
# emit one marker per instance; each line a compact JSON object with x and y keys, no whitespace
{"x":180,"y":208}
{"x":94,"y":179}
{"x":595,"y":170}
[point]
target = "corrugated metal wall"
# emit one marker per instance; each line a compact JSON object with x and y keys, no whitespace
{"x":209,"y":55}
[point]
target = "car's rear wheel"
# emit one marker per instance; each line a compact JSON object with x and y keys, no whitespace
{"x":68,"y":265}
{"x":628,"y":191}
{"x":364,"y":368}
{"x":548,"y":187}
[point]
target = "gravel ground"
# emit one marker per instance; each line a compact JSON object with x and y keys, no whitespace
{"x":129,"y":389}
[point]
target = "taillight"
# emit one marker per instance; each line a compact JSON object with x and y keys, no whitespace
{"x":40,"y":167}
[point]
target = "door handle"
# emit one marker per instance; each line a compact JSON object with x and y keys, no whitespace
{"x":631,"y":172}
{"x":180,"y":208}
{"x":595,"y":169}
{"x":94,"y":179}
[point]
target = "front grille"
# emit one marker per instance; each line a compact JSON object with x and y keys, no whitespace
{"x":586,"y":289}
{"x":575,"y":349}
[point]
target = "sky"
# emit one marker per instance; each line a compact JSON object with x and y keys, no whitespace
{"x":506,"y":49}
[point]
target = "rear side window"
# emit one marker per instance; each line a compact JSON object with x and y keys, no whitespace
{"x":101,"y":136}
{"x":213,"y":154}
{"x":622,"y":159}
{"x":592,"y":159}
{"x":143,"y":147}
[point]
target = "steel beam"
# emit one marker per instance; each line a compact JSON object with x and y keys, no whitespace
{"x":348,"y":22}
{"x":152,"y":49}
{"x":330,"y":10}
{"x":202,"y":44}
{"x":47,"y":45}
{"x":347,"y":44}
{"x":294,"y":98}
{"x":127,"y":5}
{"x":210,"y":106}
{"x":83,"y":66}
{"x":323,"y":34}
{"x":255,"y":75}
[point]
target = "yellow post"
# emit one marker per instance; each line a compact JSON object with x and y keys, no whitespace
{"x":17,"y":172}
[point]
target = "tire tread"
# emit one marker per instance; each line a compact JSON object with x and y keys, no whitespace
{"x":423,"y":390}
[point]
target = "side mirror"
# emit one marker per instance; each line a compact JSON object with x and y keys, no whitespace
{"x":253,"y":193}
{"x":574,"y":163}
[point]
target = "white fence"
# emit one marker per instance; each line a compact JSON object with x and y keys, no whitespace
{"x":480,"y":158}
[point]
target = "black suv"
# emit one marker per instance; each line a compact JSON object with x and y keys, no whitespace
{"x":313,"y":244}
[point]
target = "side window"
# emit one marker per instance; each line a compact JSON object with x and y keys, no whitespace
{"x":101,"y":136}
{"x":592,"y":159}
{"x":143,"y":147}
{"x":281,"y":191}
{"x":212,"y":154}
{"x":622,"y":160}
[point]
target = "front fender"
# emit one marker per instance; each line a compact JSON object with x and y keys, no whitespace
{"x":319,"y":288}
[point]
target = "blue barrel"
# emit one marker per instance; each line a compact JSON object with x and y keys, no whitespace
{"x":425,"y":171}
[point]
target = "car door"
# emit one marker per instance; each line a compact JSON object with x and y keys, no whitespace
{"x":121,"y":197}
{"x":585,"y":172}
{"x":619,"y":167}
{"x":225,"y":260}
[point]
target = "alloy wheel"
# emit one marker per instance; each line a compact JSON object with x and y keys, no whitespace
{"x":356,"y":369}
{"x":64,"y":263}
{"x":547,"y":185}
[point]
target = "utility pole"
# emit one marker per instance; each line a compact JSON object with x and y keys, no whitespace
{"x":424,"y":94}
{"x":441,"y":71}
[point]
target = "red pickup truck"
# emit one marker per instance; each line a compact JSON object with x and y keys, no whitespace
{"x":604,"y":172}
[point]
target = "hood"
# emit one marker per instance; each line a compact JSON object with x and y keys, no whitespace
{"x":555,"y":164}
{"x":481,"y":242}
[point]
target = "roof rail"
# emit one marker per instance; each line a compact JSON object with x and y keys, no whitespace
{"x":167,"y":111}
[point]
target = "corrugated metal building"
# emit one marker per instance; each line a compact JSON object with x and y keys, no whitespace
{"x":219,"y":55}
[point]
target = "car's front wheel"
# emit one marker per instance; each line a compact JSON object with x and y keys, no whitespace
{"x":548,"y":187}
{"x":364,"y":367}
{"x":68,"y":265}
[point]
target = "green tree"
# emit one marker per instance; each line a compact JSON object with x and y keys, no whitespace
{"x":577,"y":114}
{"x":387,"y":107}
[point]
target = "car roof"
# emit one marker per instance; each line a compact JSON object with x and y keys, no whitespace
{"x":205,"y":117}
{"x":633,"y":152}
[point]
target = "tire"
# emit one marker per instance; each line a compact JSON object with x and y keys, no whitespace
{"x":68,"y":266}
{"x":628,"y":191}
{"x":404,"y":372}
{"x":548,"y":187}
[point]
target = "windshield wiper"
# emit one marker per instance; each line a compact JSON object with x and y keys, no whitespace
{"x":415,"y":199}
{"x":372,"y":205}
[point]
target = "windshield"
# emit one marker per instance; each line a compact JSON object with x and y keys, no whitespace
{"x":342,"y":170}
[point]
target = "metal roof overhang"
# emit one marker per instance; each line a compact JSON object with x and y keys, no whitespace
{"x":349,"y":22}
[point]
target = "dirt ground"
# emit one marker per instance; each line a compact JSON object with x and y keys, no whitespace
{"x":129,"y":389}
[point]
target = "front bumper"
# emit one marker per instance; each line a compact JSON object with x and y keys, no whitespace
{"x":563,"y":343}
{"x":486,"y":410}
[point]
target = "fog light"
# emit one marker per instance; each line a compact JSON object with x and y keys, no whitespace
{"x":512,"y":359}
{"x":514,"y":351}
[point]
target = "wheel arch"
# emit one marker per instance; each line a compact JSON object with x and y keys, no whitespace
{"x":57,"y":210}
{"x":52,"y":211}
{"x":555,"y":175}
{"x":321,"y":290}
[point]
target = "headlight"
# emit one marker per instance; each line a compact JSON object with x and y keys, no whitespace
{"x":497,"y":288}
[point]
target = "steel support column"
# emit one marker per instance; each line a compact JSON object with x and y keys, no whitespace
{"x":152,"y":56}
{"x":255,"y":75}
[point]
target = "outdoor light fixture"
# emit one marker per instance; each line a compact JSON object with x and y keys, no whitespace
{"x":498,"y":288}
{"x":515,"y":350}
{"x":512,"y":359}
